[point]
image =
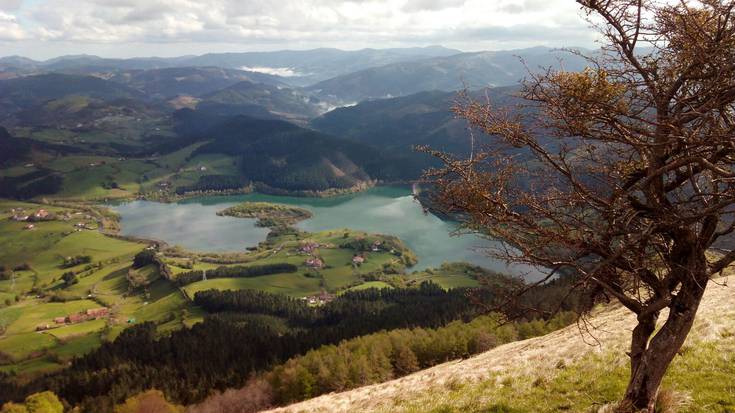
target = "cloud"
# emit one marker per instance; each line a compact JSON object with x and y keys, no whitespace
{"x":10,"y":29}
{"x":10,"y":5}
{"x":296,"y":23}
{"x":432,"y":5}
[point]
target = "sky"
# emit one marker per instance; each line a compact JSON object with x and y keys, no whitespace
{"x":43,"y":29}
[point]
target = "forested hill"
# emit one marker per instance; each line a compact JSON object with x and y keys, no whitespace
{"x":424,"y":118}
{"x":285,"y":156}
{"x":196,"y":81}
{"x":287,"y":103}
{"x":11,"y":148}
{"x":573,"y":369}
{"x":25,"y":92}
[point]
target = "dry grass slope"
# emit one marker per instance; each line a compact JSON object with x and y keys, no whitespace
{"x":476,"y":384}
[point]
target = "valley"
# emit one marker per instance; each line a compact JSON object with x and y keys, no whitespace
{"x":231,"y":228}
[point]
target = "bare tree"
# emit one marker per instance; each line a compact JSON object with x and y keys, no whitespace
{"x":626,"y":175}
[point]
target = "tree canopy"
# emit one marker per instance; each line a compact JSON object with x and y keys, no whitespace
{"x":631,"y":179}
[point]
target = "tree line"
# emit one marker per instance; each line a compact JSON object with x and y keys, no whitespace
{"x":239,"y":271}
{"x":251,"y":332}
{"x":185,"y":368}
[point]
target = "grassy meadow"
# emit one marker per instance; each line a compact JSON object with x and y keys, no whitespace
{"x":66,"y":265}
{"x":37,"y":294}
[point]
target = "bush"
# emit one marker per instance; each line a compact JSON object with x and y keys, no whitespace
{"x":69,"y":278}
{"x":143,"y":258}
{"x":76,"y":260}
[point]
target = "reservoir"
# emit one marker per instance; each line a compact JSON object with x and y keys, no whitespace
{"x":194,"y":224}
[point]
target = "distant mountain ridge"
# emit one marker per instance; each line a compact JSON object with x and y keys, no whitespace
{"x":446,"y":73}
{"x":170,"y":82}
{"x":309,"y":66}
{"x":26,"y":92}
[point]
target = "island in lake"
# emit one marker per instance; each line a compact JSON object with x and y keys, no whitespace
{"x":268,"y":214}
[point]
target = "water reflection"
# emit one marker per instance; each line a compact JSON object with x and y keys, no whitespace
{"x":389,"y":210}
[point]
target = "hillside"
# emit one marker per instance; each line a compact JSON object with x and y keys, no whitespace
{"x":397,"y":124}
{"x":447,"y":73}
{"x":567,"y":370}
{"x":26,"y":92}
{"x":170,"y":82}
{"x":285,"y":156}
{"x":286,"y":103}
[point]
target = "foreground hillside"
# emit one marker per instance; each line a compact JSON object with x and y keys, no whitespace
{"x":571,"y":369}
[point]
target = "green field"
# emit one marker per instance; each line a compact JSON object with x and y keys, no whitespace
{"x":35,"y":293}
{"x":371,"y":284}
{"x":28,"y":295}
{"x":452,"y":275}
{"x":337,"y":274}
{"x":34,"y":290}
{"x":291,"y":284}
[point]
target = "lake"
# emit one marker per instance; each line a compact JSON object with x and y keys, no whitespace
{"x":194,"y":224}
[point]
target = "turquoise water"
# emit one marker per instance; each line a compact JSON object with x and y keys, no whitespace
{"x":193,"y":224}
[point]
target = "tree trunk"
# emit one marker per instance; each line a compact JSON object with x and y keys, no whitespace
{"x":649,"y":361}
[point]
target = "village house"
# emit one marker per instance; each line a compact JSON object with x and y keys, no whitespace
{"x":76,"y":318}
{"x":41,"y":214}
{"x":98,"y":312}
{"x":376,"y":246}
{"x":91,"y":314}
{"x":314,"y":262}
{"x":29,"y":226}
{"x":320,"y":299}
{"x":358,"y":260}
{"x":43,"y":327}
{"x":20,"y":218}
{"x":308,"y":248}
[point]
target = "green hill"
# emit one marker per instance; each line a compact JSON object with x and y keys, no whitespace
{"x":196,"y":81}
{"x":291,"y":104}
{"x":398,"y":124}
{"x":285,"y":156}
{"x":26,"y":92}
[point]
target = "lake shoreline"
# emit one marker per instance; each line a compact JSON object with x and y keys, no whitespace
{"x":389,"y":210}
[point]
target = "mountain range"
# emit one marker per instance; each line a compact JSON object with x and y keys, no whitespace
{"x":308,"y":120}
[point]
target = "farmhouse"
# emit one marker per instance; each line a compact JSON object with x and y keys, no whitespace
{"x":308,"y":247}
{"x":314,"y":262}
{"x":358,"y":260}
{"x":320,"y":299}
{"x":76,"y":318}
{"x":98,"y":312}
{"x":41,"y":214}
{"x":91,"y":314}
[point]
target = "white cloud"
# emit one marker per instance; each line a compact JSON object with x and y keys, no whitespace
{"x":9,"y":28}
{"x":10,"y":5}
{"x":265,"y":24}
{"x":278,"y":71}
